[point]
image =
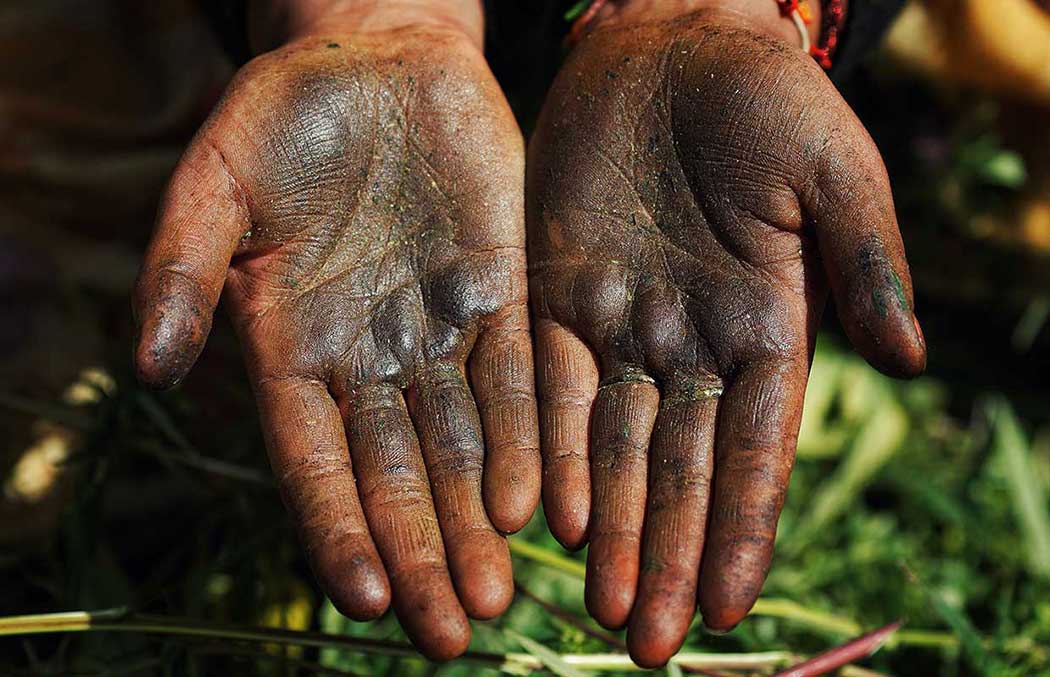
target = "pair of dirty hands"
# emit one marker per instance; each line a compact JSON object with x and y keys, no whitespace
{"x":695,"y":185}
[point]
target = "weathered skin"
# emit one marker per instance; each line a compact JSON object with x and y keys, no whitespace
{"x":360,"y":195}
{"x":694,"y":186}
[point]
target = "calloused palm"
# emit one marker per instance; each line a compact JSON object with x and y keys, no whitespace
{"x":693,"y":188}
{"x":360,"y":197}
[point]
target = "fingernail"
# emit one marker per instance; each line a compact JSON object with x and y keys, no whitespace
{"x":918,"y":331}
{"x":718,"y":633}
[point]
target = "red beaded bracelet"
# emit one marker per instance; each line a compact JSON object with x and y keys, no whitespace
{"x":833,"y":14}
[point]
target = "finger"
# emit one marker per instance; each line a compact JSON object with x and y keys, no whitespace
{"x":397,"y":502}
{"x":624,"y":412}
{"x":308,"y":453}
{"x":450,"y":435}
{"x":502,"y":375}
{"x":567,"y":385}
{"x":860,"y":244}
{"x":680,"y":468}
{"x":758,"y":421}
{"x":201,"y":219}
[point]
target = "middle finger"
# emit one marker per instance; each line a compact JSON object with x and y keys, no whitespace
{"x":680,"y":469}
{"x":623,"y":420}
{"x":450,"y":434}
{"x":392,"y":484}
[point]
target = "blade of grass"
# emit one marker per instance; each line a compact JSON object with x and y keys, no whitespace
{"x":59,"y":413}
{"x":1029,"y":498}
{"x":1031,"y":324}
{"x":550,"y":659}
{"x":789,"y":610}
{"x":972,"y":644}
{"x":548,"y":558}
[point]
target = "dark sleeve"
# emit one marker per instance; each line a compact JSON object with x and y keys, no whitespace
{"x":229,"y":21}
{"x":866,"y":22}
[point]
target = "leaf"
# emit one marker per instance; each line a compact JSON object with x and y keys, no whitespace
{"x":1029,"y":498}
{"x":550,"y":659}
{"x":816,"y":438}
{"x":876,"y":442}
{"x":972,"y":645}
{"x":1005,"y":168}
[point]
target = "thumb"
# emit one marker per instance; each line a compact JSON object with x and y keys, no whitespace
{"x":851,"y":206}
{"x":201,"y":220}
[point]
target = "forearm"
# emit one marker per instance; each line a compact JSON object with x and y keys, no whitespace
{"x":275,"y":22}
{"x":764,"y":14}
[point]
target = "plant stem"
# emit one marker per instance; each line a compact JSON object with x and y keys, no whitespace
{"x":120,"y":620}
{"x":855,"y":649}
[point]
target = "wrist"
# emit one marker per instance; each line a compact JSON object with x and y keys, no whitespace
{"x":276,"y":22}
{"x":763,"y":16}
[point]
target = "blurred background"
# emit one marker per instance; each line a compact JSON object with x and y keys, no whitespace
{"x":924,"y":501}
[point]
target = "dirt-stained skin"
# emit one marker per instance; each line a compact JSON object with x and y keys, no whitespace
{"x":694,"y":187}
{"x":360,"y":197}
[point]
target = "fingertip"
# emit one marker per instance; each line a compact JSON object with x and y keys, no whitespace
{"x":356,"y":584}
{"x":913,"y":352}
{"x":488,"y":600}
{"x":651,"y":641}
{"x":609,"y":605}
{"x":175,"y":321}
{"x":567,"y":501}
{"x":482,"y":575}
{"x":648,"y":653}
{"x":731,"y":581}
{"x":663,"y":611}
{"x":612,"y":578}
{"x":433,"y":619}
{"x":512,"y":491}
{"x":448,"y":643}
{"x":899,"y":354}
{"x":876,"y":306}
{"x":722,"y":609}
{"x":720,"y":620}
{"x":567,"y":518}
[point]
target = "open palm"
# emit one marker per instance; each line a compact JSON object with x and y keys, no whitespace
{"x":360,"y":197}
{"x":694,"y":189}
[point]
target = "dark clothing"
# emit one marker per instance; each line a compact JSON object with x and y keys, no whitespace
{"x":866,"y":22}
